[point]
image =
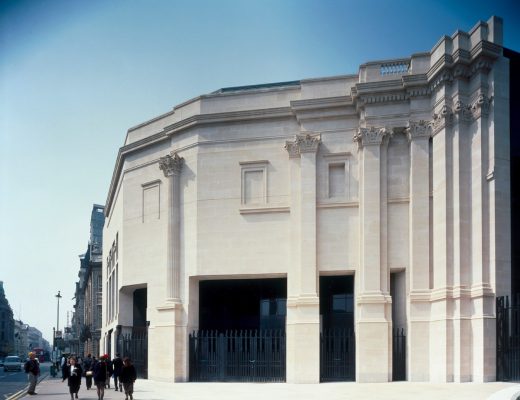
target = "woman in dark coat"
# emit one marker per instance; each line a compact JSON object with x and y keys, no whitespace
{"x":72,"y":373}
{"x":128,"y":377}
{"x":100,"y":375}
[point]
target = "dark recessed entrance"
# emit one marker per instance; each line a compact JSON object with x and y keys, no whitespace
{"x":241,"y":334}
{"x":242,"y":304}
{"x":337,"y":351}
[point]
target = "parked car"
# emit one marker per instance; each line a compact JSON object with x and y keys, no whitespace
{"x":1,"y":362}
{"x":12,"y":363}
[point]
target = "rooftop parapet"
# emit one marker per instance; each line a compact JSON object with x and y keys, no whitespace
{"x":485,"y":39}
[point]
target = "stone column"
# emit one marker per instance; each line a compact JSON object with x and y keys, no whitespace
{"x":419,"y":133}
{"x":461,"y":205}
{"x":171,"y":165}
{"x":303,"y":324}
{"x":170,"y":325}
{"x":482,"y":295}
{"x":441,"y":325}
{"x":373,"y":311}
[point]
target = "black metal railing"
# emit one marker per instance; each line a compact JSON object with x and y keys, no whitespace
{"x":398,"y":354}
{"x":508,"y":338}
{"x":237,"y":356}
{"x":337,"y":355}
{"x":135,"y":346}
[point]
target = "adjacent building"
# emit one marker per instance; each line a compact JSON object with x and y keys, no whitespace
{"x":353,"y":227}
{"x":21,"y":339}
{"x":6,"y":324}
{"x":85,"y":329}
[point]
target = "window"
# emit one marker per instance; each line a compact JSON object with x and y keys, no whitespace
{"x":151,"y":201}
{"x":112,"y":297}
{"x":338,"y":178}
{"x":337,"y":183}
{"x":254,"y":183}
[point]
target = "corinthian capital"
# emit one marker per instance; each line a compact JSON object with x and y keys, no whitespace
{"x":418,"y":129}
{"x":442,"y":119}
{"x":171,"y":164}
{"x":481,"y":106}
{"x":370,"y":136}
{"x":305,"y":143}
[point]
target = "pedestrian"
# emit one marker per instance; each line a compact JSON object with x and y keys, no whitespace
{"x":73,"y":375}
{"x":110,"y":371}
{"x":32,"y":369}
{"x":117,"y":365}
{"x":128,"y":377}
{"x":88,"y":364}
{"x":64,"y":367}
{"x":100,"y":375}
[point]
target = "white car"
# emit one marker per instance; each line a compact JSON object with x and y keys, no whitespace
{"x":12,"y":363}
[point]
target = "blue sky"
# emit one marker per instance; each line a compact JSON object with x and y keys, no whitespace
{"x":75,"y":75}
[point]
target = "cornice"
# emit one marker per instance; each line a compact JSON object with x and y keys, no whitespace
{"x":319,"y":103}
{"x":323,"y":108}
{"x":233,"y":116}
{"x":123,"y":151}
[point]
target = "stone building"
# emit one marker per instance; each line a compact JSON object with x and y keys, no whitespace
{"x":6,"y":324}
{"x":21,"y":339}
{"x":365,"y":202}
{"x":86,"y":321}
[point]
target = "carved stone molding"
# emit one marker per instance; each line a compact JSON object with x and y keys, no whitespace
{"x":480,"y":107}
{"x":445,"y":77}
{"x":419,"y":129}
{"x":292,"y":149}
{"x":482,"y":65}
{"x":442,"y":119}
{"x":463,"y":112}
{"x":303,"y":143}
{"x":171,"y":164}
{"x":370,"y":136}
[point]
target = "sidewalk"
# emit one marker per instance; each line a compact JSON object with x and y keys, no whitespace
{"x":55,"y":389}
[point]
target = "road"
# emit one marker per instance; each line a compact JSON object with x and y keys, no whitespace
{"x":12,"y":382}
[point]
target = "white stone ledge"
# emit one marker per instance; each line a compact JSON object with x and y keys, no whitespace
{"x":372,"y":321}
{"x":375,"y":298}
{"x":303,"y":300}
{"x":264,"y":210}
{"x":459,"y":292}
{"x":397,"y":200}
{"x":338,"y":204}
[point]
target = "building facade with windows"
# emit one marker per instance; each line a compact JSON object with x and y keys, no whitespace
{"x":377,"y":204}
{"x":6,"y":325}
{"x":87,"y":318}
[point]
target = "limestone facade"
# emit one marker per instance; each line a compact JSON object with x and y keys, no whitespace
{"x":401,"y":168}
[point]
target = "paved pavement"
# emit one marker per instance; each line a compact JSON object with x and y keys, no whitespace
{"x":55,"y":389}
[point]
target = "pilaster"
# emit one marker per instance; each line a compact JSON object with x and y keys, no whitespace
{"x":461,"y":204}
{"x":441,"y":324}
{"x":373,"y":316}
{"x":303,"y":323}
{"x":419,"y":133}
{"x":171,"y":326}
{"x":171,"y":165}
{"x":482,"y":294}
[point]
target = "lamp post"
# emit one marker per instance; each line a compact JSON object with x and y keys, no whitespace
{"x":58,"y":296}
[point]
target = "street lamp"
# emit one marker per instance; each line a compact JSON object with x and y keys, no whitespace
{"x":58,"y":296}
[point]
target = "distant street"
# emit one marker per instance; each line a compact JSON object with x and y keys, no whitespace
{"x":12,"y":382}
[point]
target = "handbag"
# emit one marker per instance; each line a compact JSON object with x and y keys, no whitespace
{"x":89,"y":373}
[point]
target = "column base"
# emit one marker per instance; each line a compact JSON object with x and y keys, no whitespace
{"x":374,"y":339}
{"x":303,"y":340}
{"x":167,"y":341}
